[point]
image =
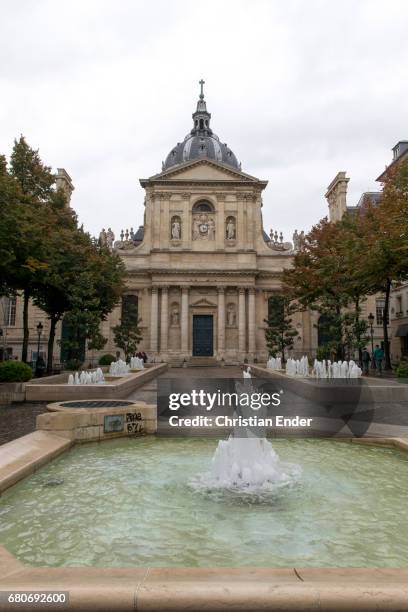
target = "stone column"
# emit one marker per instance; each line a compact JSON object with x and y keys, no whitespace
{"x":184,"y":320}
{"x":221,"y":321}
{"x":154,"y":320}
{"x":241,"y":321}
{"x":251,"y":322}
{"x":164,"y":320}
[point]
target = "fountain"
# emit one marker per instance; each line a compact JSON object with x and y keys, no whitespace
{"x":296,"y":367}
{"x":87,"y":378}
{"x":136,"y":363}
{"x":247,"y":461}
{"x":247,"y":465}
{"x":274,"y":363}
{"x":119,"y":368}
{"x":339,"y":369}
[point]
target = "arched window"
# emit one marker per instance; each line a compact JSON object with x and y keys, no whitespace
{"x":203,"y":206}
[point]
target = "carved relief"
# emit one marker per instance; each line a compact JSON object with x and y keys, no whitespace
{"x":231,"y":315}
{"x":203,"y":226}
{"x":230,"y":228}
{"x":175,"y":228}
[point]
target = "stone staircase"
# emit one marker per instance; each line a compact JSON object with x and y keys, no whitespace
{"x":202,"y":362}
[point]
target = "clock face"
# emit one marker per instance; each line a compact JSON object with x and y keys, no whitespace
{"x":203,"y":228}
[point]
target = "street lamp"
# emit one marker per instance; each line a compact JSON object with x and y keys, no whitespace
{"x":371,"y":323}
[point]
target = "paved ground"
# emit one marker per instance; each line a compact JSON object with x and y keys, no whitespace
{"x":147,"y":393}
{"x":18,"y":420}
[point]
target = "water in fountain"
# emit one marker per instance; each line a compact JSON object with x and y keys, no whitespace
{"x":119,"y":368}
{"x":136,"y":363}
{"x":274,"y":363}
{"x":337,"y":369}
{"x":87,"y":378}
{"x":298,"y":367}
{"x":247,"y":465}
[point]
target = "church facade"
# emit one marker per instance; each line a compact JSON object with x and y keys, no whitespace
{"x":201,"y":267}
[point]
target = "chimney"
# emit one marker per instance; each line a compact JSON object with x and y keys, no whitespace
{"x":63,"y":181}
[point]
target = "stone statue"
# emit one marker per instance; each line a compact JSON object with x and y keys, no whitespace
{"x":231,"y":316}
{"x":103,"y":239}
{"x":196,"y":231}
{"x":295,"y":239}
{"x":175,"y":316}
{"x":301,"y":239}
{"x":211,"y":229}
{"x":230,"y":229}
{"x":175,"y":229}
{"x":110,"y":238}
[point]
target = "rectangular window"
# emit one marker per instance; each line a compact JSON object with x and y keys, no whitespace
{"x":379,"y":311}
{"x":398,"y":305}
{"x":10,"y":311}
{"x":130,"y":308}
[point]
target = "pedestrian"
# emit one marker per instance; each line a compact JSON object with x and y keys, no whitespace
{"x":366,"y":358}
{"x":378,"y":358}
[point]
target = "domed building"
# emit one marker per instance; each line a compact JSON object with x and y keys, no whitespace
{"x":201,"y":142}
{"x":201,"y":268}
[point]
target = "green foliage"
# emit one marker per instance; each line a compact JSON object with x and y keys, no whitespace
{"x":402,"y":370}
{"x":128,"y":335}
{"x":15,"y":371}
{"x":44,"y":254}
{"x":279,"y":333}
{"x":35,"y":179}
{"x":354,"y":332}
{"x":106,"y":360}
{"x":98,"y":285}
{"x":74,"y":364}
{"x":323,"y":352}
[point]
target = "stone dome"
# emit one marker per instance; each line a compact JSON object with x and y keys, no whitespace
{"x":201,"y":142}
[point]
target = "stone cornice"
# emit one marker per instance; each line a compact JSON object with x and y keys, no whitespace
{"x":175,"y":170}
{"x":193,"y":271}
{"x":210,"y":183}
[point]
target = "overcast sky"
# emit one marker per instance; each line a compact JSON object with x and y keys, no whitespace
{"x":298,"y":90}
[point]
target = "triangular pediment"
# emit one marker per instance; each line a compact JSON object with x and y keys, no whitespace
{"x":203,"y":170}
{"x":202,"y":303}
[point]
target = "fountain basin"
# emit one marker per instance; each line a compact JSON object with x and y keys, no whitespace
{"x":89,"y":420}
{"x":133,"y":503}
{"x":56,"y":388}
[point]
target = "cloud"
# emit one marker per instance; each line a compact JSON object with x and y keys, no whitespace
{"x":298,"y":90}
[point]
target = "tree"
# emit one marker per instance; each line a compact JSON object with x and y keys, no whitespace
{"x":44,"y":254}
{"x":82,"y":284}
{"x":10,"y":200}
{"x":128,"y":335}
{"x":279,"y":333}
{"x":328,"y":277}
{"x":35,"y":183}
{"x":386,"y":237}
{"x":34,"y":178}
{"x":316,"y":279}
